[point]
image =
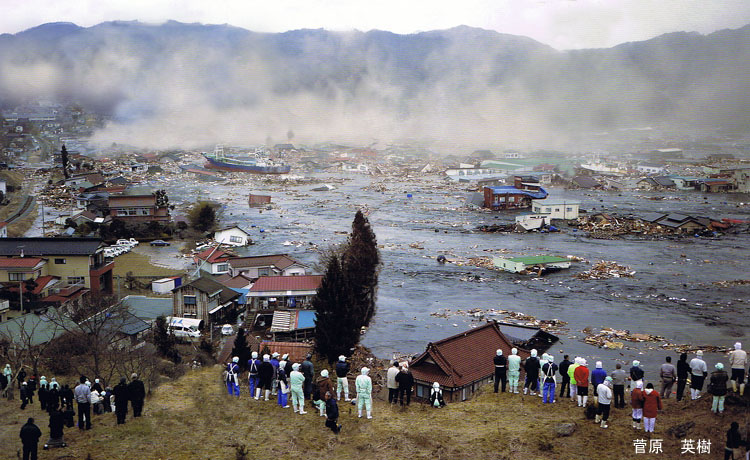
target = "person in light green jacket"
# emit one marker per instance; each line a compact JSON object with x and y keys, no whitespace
{"x":571,"y":370}
{"x":363,"y":385}
{"x":514,"y":370}
{"x":297,"y":382}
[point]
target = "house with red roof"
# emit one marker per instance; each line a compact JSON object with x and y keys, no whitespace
{"x":272,"y":292}
{"x":462,"y":363}
{"x":213,"y":260}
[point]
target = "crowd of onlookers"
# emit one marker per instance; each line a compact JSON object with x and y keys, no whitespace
{"x":58,"y":401}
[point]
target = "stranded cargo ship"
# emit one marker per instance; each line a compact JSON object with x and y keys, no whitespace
{"x":248,"y":163}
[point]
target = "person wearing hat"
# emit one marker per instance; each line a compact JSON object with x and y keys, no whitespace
{"x":717,"y":386}
{"x":297,"y":383}
{"x":275,"y":364}
{"x":636,"y":374}
{"x":501,"y":367}
{"x":597,"y":378}
{"x":737,"y":362}
{"x":24,"y":394}
{"x":636,"y":402}
{"x":233,"y":377}
{"x":604,"y":396}
{"x":436,"y":396}
{"x":308,"y":370}
{"x":581,"y":375}
{"x":699,"y":371}
{"x":122,"y":396}
{"x":30,"y":435}
{"x":571,"y":375}
{"x":265,"y":377}
{"x":282,"y":398}
{"x":363,"y":385}
{"x":514,"y":370}
{"x":322,"y":386}
{"x":137,"y":392}
{"x":548,"y":371}
{"x":342,"y":370}
{"x":253,"y":364}
{"x":531,"y":366}
{"x":56,"y":427}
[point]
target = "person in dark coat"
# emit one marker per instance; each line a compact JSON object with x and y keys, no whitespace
{"x":31,"y":388}
{"x":332,"y":413}
{"x":121,"y":400}
{"x":66,"y":396}
{"x":308,"y":370}
{"x":565,"y":384}
{"x":532,"y":367}
{"x":21,"y":377}
{"x":501,"y":368}
{"x":405,"y":384}
{"x":265,"y":378}
{"x":30,"y":435}
{"x":734,"y":441}
{"x":717,"y":386}
{"x":683,"y":369}
{"x":56,"y":427}
{"x":24,"y":393}
{"x":136,"y":393}
{"x":53,"y":399}
{"x":69,"y":416}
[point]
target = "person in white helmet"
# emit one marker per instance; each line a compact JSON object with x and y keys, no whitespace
{"x":581,"y":375}
{"x":322,"y":386}
{"x":737,"y":362}
{"x":297,"y":383}
{"x":275,"y":381}
{"x":436,"y":396}
{"x":342,"y":370}
{"x":549,"y":369}
{"x":699,"y":372}
{"x":253,"y":364}
{"x":514,"y":369}
{"x":501,"y":369}
{"x":265,"y":377}
{"x":531,"y":366}
{"x":363,"y":385}
{"x":540,"y":379}
{"x":571,"y":375}
{"x":233,"y":372}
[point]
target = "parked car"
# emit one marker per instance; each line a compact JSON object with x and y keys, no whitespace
{"x":122,"y":247}
{"x":132,"y":242}
{"x":227,"y":329}
{"x":159,"y":243}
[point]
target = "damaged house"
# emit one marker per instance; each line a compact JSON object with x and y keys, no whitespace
{"x":461,"y":364}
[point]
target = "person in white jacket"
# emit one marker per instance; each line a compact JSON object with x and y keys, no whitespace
{"x":514,"y":370}
{"x":391,"y":383}
{"x":699,"y":371}
{"x":738,"y":361}
{"x":604,"y":394}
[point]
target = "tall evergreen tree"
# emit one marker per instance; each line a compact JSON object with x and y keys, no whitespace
{"x":64,"y":160}
{"x":163,"y":340}
{"x":336,"y":324}
{"x":361,"y":263}
{"x":240,"y":349}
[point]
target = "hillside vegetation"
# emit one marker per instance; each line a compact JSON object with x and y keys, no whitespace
{"x":194,"y":418}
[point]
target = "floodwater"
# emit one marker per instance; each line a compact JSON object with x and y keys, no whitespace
{"x":671,"y":294}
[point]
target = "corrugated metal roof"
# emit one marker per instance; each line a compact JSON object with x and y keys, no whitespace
{"x":287,"y":283}
{"x":129,"y":201}
{"x":148,"y":308}
{"x":297,"y":350}
{"x":49,"y":246}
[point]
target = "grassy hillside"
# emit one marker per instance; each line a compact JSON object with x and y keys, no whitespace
{"x":194,"y":418}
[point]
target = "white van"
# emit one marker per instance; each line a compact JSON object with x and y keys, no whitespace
{"x":184,"y":327}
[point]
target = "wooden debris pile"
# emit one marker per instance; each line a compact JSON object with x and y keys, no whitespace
{"x":615,"y":338}
{"x":604,"y":269}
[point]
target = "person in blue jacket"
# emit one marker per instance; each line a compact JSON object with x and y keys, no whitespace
{"x":253,"y":364}
{"x":233,"y":377}
{"x":597,"y":377}
{"x":332,"y":413}
{"x":342,"y":383}
{"x":275,"y":364}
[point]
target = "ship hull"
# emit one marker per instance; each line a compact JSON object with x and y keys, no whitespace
{"x":224,"y":166}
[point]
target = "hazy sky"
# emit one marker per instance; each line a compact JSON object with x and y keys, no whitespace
{"x":563,"y":24}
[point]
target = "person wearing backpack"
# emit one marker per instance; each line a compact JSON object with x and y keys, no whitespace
{"x":436,"y":396}
{"x":549,"y":370}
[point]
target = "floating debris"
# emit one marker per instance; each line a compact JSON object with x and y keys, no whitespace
{"x":613,"y":339}
{"x":603,"y":270}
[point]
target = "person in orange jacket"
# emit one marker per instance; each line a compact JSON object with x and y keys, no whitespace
{"x":581,"y":374}
{"x":636,"y":401}
{"x":651,"y":406}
